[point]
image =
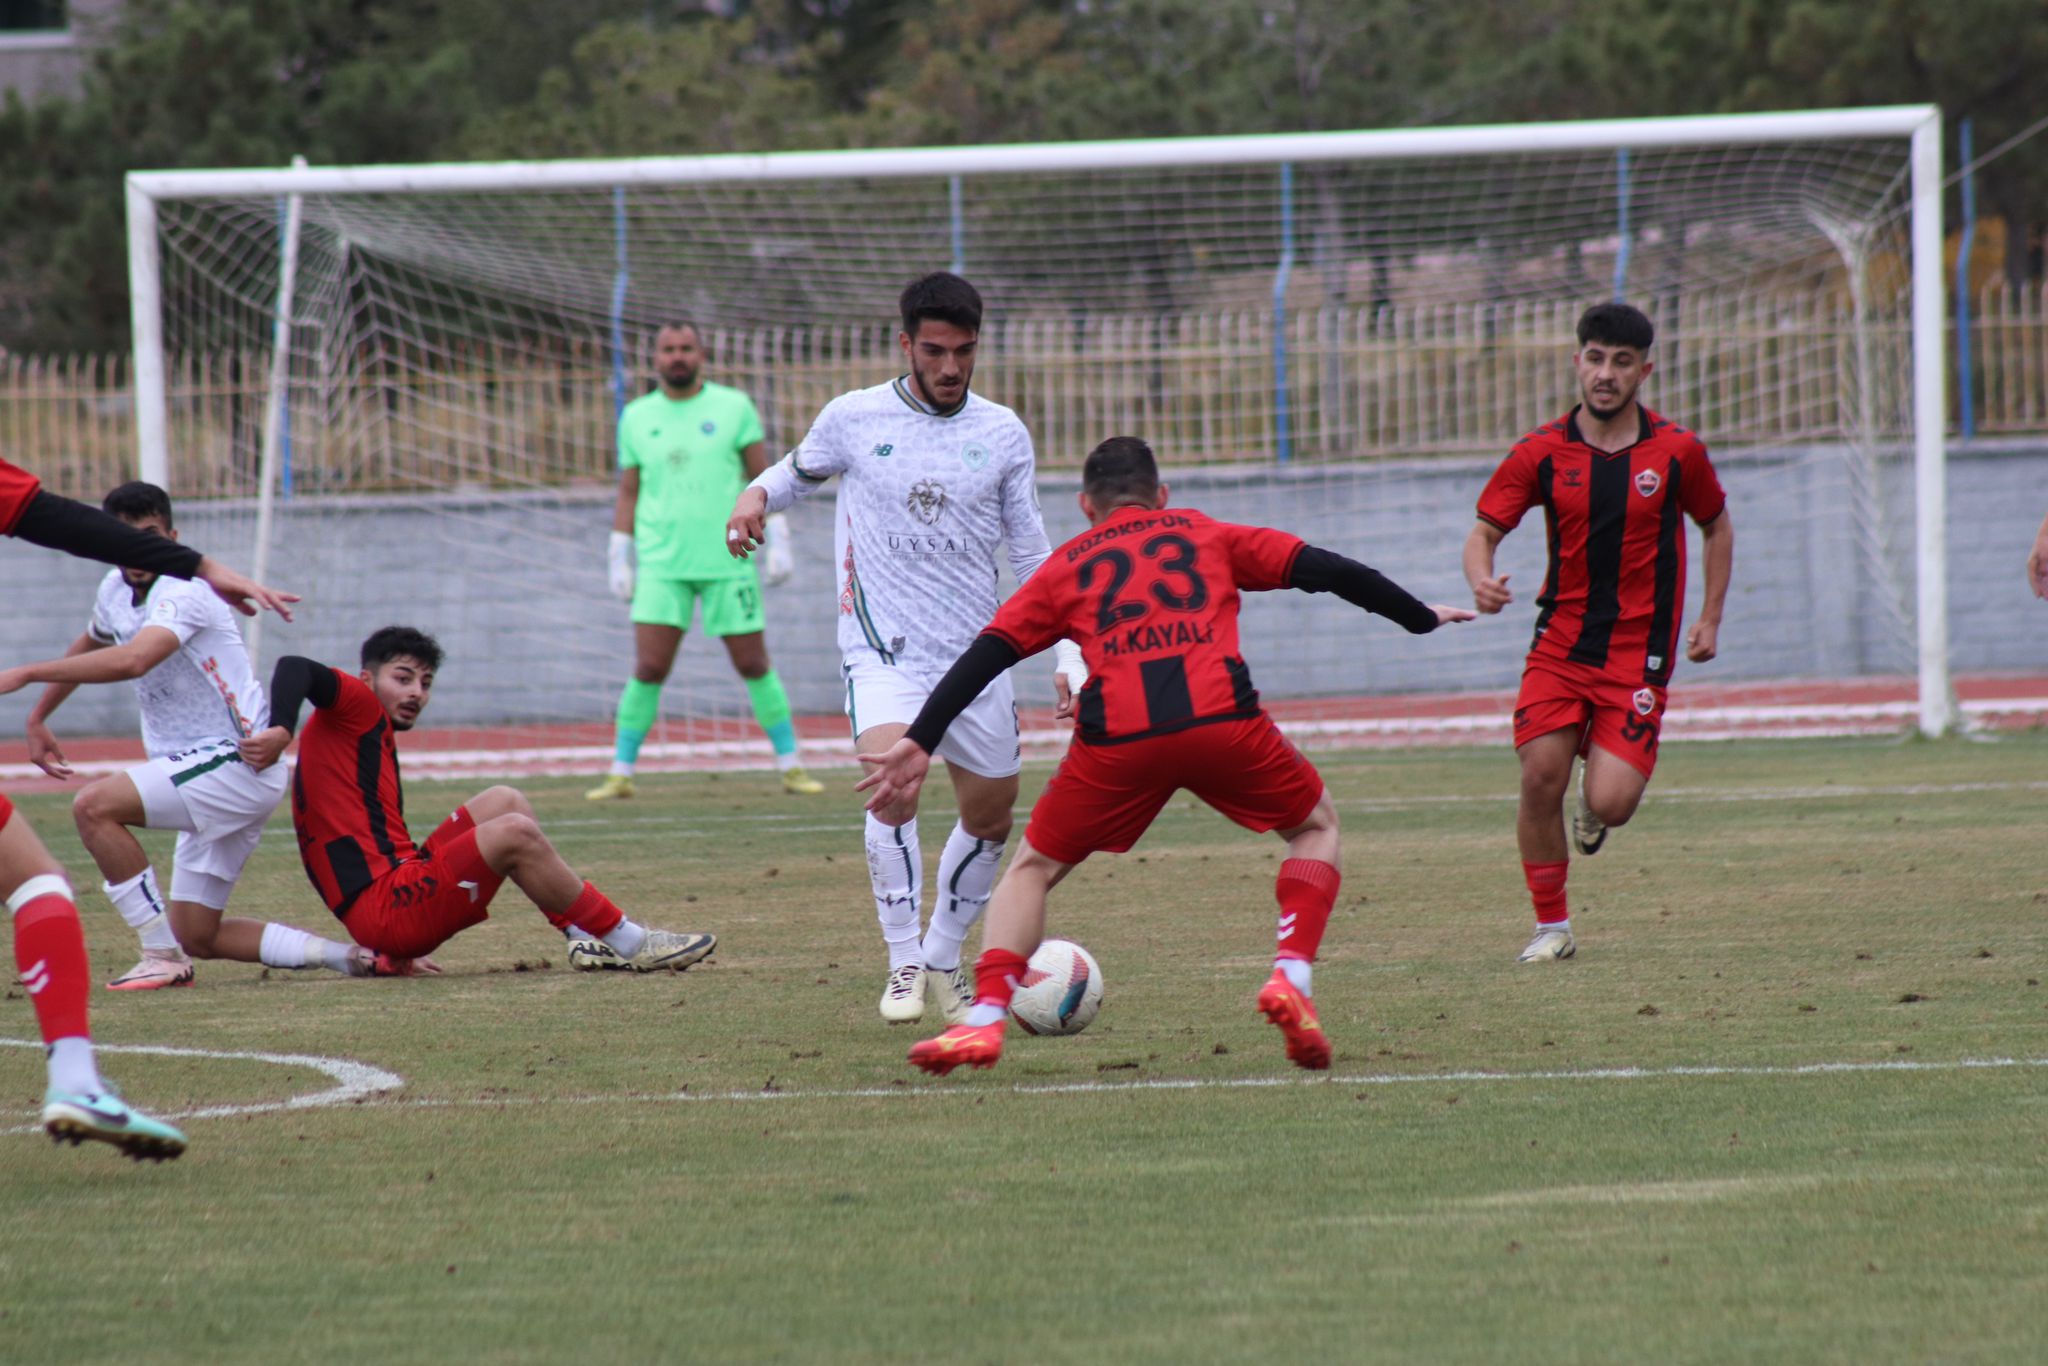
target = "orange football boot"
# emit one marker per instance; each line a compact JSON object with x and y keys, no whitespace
{"x":1295,"y":1014}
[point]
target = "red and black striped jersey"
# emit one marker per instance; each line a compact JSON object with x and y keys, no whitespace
{"x":1615,"y":587}
{"x":347,"y":802}
{"x":18,"y":489}
{"x":1151,"y":597}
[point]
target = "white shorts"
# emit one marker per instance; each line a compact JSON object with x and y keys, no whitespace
{"x":218,"y":804}
{"x":985,"y":739}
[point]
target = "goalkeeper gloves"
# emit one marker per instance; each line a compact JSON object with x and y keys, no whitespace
{"x":780,"y":564}
{"x":619,"y":565}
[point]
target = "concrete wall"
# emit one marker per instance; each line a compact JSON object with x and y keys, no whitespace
{"x":39,"y":65}
{"x":514,"y":586}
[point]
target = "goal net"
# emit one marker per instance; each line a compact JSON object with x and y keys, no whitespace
{"x":395,"y":388}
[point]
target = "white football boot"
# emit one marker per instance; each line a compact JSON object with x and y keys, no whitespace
{"x":903,"y":994}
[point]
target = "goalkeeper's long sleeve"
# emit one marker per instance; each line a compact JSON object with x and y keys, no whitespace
{"x":1317,"y":570}
{"x":295,"y":681}
{"x":83,"y":530}
{"x":977,"y":667}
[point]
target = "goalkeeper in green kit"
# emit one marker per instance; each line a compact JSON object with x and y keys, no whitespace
{"x":686,"y":450}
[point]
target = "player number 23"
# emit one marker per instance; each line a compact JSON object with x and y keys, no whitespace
{"x":1116,"y":562}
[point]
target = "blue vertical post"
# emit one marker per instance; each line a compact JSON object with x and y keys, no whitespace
{"x":1283,"y":423}
{"x":956,"y":202}
{"x":1966,"y":392}
{"x":1622,"y":226}
{"x":619,"y":280}
{"x":284,"y":406}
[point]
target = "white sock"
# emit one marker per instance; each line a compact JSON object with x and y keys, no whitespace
{"x":785,"y":762}
{"x":626,"y":938}
{"x":980,"y":1014}
{"x":896,"y":870}
{"x":967,"y":878}
{"x":142,"y":906}
{"x":286,"y":947}
{"x":621,"y":769}
{"x":1298,"y":972}
{"x":72,"y":1067}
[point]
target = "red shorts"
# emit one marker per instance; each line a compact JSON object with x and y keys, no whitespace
{"x":430,"y":898}
{"x":1625,"y":717}
{"x":1103,"y":797}
{"x":6,"y":811}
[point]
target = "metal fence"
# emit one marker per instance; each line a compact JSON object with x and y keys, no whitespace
{"x":1362,"y":383}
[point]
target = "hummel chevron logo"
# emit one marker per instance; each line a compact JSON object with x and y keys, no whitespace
{"x":36,"y":976}
{"x":1286,"y":926}
{"x":468,"y":886}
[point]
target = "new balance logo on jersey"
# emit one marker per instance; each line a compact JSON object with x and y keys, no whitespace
{"x":882,"y":451}
{"x":927,"y":500}
{"x":1647,"y":482}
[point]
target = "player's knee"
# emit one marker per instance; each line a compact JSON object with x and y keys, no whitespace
{"x":501,"y":801}
{"x":650,"y":673}
{"x":93,"y":807}
{"x":1545,"y":783}
{"x":1614,"y":809}
{"x":994,"y":829}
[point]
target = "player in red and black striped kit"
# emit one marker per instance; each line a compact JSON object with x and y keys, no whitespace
{"x":402,"y":900}
{"x":1615,"y":482}
{"x":1151,"y":596}
{"x":49,"y":945}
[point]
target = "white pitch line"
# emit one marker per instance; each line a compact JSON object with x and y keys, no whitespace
{"x":352,"y":1080}
{"x":942,"y":1090}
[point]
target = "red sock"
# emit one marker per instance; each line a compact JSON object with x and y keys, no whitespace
{"x":49,"y":951}
{"x":996,"y":974}
{"x":592,"y":912}
{"x":1546,"y":890}
{"x":1306,"y":890}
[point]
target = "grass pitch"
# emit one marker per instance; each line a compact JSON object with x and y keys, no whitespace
{"x":1642,"y":1154}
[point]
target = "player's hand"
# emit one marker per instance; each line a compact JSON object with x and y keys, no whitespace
{"x":1446,"y":615}
{"x":243,"y":593}
{"x":779,"y":564}
{"x":44,"y":753}
{"x":265,"y":747}
{"x":747,"y":527}
{"x":13,"y":680}
{"x":1070,"y":675}
{"x":1490,"y":595}
{"x":1702,"y":641}
{"x":619,"y":565}
{"x":896,"y":775}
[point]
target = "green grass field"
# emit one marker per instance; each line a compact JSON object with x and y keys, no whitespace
{"x":735,"y":1164}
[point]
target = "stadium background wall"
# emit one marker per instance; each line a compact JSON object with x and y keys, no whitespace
{"x":532,"y":635}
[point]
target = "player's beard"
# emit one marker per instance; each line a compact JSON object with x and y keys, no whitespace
{"x":1607,"y":414}
{"x":928,"y":391}
{"x":679,"y":376}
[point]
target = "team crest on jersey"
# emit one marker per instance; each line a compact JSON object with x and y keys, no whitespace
{"x":927,"y":500}
{"x":1645,"y":700}
{"x":1647,"y":482}
{"x":974,"y":455}
{"x":882,"y":451}
{"x":709,"y":428}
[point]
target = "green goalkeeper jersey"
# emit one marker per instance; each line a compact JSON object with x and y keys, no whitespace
{"x":688,"y":455}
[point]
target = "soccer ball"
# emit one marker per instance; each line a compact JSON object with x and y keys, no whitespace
{"x":1061,"y":990}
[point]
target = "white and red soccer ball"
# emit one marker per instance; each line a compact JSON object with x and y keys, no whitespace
{"x":1060,"y":991}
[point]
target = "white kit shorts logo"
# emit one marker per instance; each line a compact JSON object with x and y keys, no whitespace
{"x":927,"y":500}
{"x":1645,"y":700}
{"x":1647,"y":482}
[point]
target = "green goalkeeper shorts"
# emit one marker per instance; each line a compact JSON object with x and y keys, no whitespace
{"x":732,"y":607}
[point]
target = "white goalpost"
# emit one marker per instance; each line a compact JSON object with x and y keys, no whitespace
{"x":393,"y":386}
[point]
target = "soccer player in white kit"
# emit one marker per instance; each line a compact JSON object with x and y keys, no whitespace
{"x":199,"y":698}
{"x":932,"y":476}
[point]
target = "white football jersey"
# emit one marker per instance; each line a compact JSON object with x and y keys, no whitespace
{"x":923,"y":500}
{"x":205,"y":691}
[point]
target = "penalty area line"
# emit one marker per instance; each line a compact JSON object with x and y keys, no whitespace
{"x":353,"y":1081}
{"x":941,"y":1090}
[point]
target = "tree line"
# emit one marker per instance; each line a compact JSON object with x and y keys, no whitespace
{"x":221,"y":83}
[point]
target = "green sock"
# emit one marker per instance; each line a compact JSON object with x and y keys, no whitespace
{"x":639,"y":704}
{"x":771,"y":709}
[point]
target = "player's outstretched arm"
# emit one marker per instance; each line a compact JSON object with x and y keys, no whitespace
{"x":243,"y":593}
{"x":748,"y":525}
{"x":43,"y":750}
{"x":900,"y":771}
{"x":152,"y":646}
{"x":1317,"y":570}
{"x":79,"y":529}
{"x":295,"y":681}
{"x":1489,"y":593}
{"x":895,"y":774}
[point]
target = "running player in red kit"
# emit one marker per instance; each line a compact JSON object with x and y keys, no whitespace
{"x":1613,"y":480}
{"x":1151,"y":596}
